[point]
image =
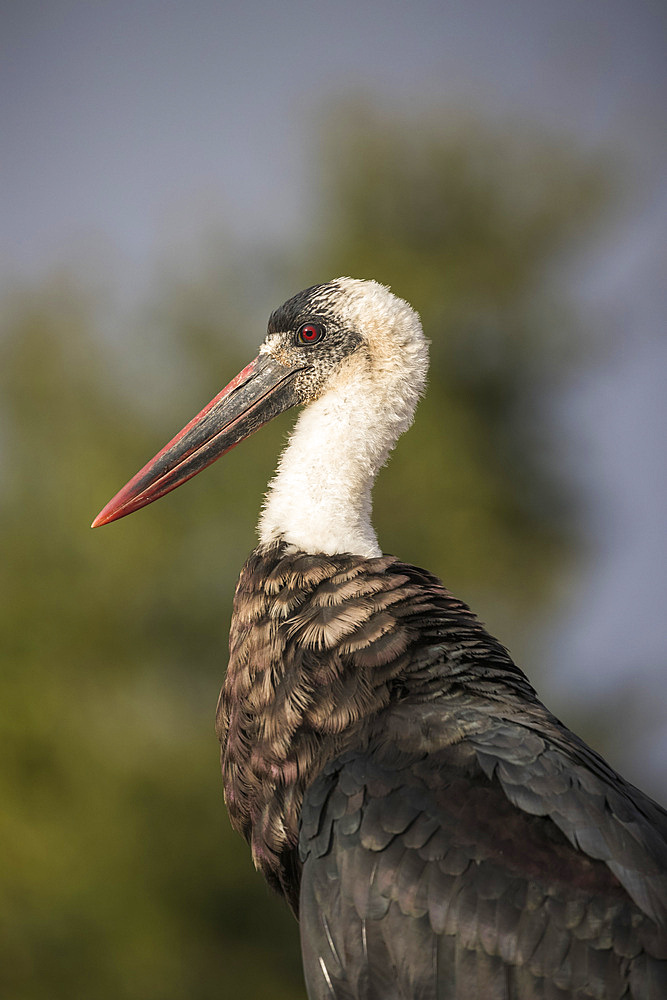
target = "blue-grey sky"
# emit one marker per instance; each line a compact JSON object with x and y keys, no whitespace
{"x":130,"y":120}
{"x":131,"y":124}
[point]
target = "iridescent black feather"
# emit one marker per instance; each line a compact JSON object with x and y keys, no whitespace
{"x":438,"y":832}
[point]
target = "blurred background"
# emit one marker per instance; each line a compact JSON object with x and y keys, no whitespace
{"x":173,"y":171}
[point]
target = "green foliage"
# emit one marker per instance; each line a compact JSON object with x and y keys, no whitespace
{"x":470,"y":225}
{"x":121,"y":876}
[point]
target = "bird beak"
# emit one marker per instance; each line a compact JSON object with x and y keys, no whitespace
{"x":260,"y":392}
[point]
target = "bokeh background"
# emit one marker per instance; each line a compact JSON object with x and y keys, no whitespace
{"x":172,"y":171}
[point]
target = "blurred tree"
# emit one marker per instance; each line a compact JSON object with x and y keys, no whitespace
{"x":470,"y":224}
{"x":121,"y":877}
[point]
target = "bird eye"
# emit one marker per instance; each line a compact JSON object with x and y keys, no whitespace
{"x":310,"y":333}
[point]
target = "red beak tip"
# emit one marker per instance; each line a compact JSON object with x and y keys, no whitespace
{"x":105,"y":516}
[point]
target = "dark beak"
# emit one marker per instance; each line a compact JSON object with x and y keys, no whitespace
{"x":261,"y":391}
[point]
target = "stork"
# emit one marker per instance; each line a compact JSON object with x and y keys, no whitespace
{"x":436,"y":830}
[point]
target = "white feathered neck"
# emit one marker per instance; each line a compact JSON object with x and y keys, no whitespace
{"x":320,"y":498}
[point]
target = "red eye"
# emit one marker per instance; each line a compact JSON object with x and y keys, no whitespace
{"x":310,"y":334}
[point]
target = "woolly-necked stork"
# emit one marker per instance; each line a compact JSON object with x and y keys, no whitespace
{"x":438,"y":833}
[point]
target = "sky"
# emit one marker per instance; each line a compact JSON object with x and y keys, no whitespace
{"x":125,"y":120}
{"x":129,"y":125}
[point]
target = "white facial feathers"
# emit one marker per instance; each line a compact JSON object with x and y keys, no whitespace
{"x":320,"y":498}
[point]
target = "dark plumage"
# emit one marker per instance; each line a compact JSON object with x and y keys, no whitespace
{"x":438,"y":833}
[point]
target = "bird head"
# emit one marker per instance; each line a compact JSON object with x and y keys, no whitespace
{"x":318,"y":339}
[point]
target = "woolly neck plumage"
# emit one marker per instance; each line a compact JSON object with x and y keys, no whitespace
{"x":320,"y":498}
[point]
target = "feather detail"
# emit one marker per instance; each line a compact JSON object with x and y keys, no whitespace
{"x":394,"y":772}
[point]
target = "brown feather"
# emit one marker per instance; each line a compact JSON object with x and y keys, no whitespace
{"x":319,"y":645}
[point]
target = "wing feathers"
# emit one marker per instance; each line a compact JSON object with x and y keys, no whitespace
{"x":423,"y":885}
{"x":454,"y":839}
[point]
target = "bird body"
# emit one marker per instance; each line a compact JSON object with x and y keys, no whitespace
{"x":438,"y":833}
